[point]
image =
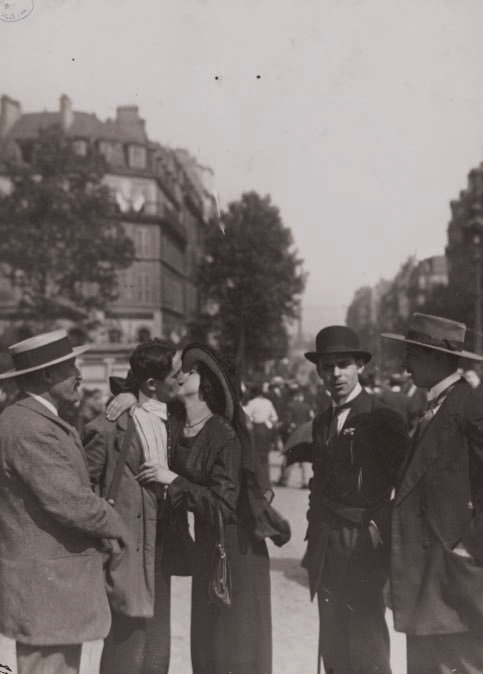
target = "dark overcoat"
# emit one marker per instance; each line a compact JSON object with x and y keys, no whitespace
{"x":51,"y":525}
{"x":438,"y":503}
{"x":356,"y":471}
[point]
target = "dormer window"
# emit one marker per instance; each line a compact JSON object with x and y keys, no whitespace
{"x":137,"y":156}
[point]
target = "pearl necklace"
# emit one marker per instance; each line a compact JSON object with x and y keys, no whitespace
{"x":198,"y":422}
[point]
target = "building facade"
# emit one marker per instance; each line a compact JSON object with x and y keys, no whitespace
{"x":163,"y":203}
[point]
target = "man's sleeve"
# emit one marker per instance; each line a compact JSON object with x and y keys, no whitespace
{"x":96,"y":442}
{"x":43,"y":460}
{"x":472,"y":538}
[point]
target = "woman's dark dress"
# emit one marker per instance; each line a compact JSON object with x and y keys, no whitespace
{"x":237,"y":640}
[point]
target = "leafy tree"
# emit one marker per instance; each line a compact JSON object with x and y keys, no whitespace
{"x":252,"y":279}
{"x":61,"y":242}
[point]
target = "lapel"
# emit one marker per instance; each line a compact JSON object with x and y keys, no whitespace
{"x":32,"y":404}
{"x":135,"y":456}
{"x":434,"y":441}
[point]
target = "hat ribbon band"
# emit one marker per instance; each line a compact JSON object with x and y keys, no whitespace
{"x":42,"y":354}
{"x":426,"y":340}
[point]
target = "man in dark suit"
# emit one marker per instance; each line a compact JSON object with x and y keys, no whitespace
{"x":52,"y":526}
{"x":437,"y":527}
{"x":359,"y":445}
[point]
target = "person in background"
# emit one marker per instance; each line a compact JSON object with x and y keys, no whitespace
{"x":52,"y":526}
{"x":297,"y":412}
{"x":437,"y":522}
{"x":264,"y":418}
{"x":90,"y":407}
{"x":359,"y":446}
{"x":394,"y":398}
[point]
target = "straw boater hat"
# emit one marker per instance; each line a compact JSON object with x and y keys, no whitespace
{"x":195,"y":353}
{"x":41,"y":351}
{"x":336,"y":340}
{"x":437,"y":333}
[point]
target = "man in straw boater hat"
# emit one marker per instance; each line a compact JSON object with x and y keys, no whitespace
{"x":52,"y":526}
{"x":359,"y":445}
{"x":437,"y":527}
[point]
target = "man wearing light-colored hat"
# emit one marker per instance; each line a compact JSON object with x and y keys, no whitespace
{"x":52,"y":526}
{"x":437,"y":526}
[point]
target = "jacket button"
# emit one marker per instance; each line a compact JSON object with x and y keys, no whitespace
{"x":139,"y":516}
{"x":426,"y":544}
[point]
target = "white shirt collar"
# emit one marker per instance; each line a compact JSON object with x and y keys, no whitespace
{"x":353,"y":394}
{"x":153,"y":406}
{"x":44,"y":402}
{"x":441,"y":386}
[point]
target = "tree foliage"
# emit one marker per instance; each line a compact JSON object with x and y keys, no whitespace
{"x":60,"y":239}
{"x":252,"y":279}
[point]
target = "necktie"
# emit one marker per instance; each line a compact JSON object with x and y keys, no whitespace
{"x":429,"y":413}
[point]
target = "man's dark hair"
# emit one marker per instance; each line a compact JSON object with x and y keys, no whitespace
{"x":153,"y":358}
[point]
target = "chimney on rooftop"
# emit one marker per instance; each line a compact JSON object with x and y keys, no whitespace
{"x":66,"y":112}
{"x":128,"y":118}
{"x":10,"y":113}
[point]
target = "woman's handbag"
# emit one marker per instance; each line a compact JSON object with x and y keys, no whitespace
{"x":219,"y":587}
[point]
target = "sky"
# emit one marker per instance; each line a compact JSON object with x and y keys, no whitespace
{"x":361,"y":118}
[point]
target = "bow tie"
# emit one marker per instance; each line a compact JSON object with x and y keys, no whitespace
{"x":337,"y":409}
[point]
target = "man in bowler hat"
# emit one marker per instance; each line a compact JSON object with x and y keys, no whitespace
{"x":437,"y":521}
{"x":359,"y":445}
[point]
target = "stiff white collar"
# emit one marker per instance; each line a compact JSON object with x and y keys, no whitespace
{"x":442,"y":385}
{"x":44,"y":402}
{"x":353,"y":394}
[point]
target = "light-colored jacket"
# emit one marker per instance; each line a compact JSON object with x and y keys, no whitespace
{"x":51,"y":525}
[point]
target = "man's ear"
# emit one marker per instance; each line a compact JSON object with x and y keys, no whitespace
{"x":151,"y":384}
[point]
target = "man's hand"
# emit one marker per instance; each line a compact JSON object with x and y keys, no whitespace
{"x":460,"y":550}
{"x":121,"y":403}
{"x":153,"y":472}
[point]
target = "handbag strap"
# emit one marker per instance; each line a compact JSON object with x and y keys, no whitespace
{"x":116,"y":478}
{"x":220,"y":527}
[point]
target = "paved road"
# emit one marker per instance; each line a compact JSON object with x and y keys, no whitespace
{"x":295,"y":621}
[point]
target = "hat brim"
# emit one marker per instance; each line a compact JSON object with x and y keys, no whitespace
{"x":459,"y":354}
{"x":196,"y":353}
{"x":314,"y":356}
{"x":76,"y":351}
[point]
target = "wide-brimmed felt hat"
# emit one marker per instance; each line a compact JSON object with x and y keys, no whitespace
{"x":195,"y":353}
{"x":337,"y":340}
{"x":35,"y":353}
{"x":437,"y":333}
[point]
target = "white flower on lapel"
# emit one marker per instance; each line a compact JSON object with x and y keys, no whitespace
{"x":349,"y":431}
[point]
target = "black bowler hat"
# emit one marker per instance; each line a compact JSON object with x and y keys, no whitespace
{"x":336,"y":340}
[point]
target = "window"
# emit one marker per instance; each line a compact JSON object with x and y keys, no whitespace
{"x":144,"y":288}
{"x":137,"y":156}
{"x":80,"y":147}
{"x":143,"y":242}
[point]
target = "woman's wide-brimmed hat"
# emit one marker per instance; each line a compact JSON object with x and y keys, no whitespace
{"x":435,"y":332}
{"x":41,"y":351}
{"x":195,"y":353}
{"x":336,"y":340}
